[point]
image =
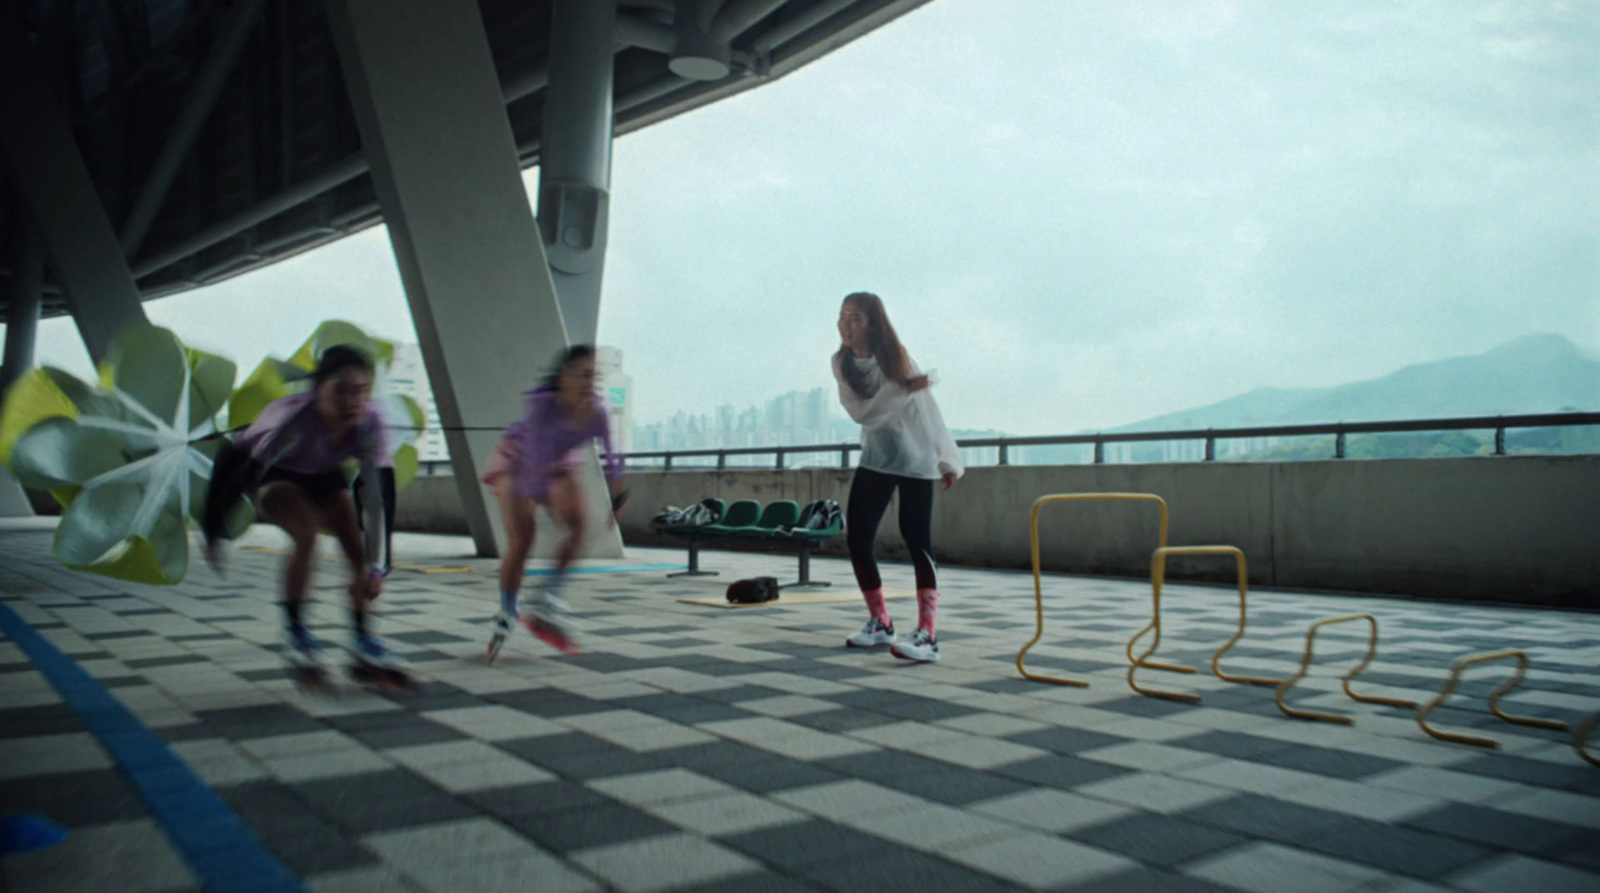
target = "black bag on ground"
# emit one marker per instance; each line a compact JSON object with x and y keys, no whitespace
{"x":753,"y":591}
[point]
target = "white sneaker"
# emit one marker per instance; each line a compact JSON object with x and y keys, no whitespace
{"x":875,"y":633}
{"x":920,"y":647}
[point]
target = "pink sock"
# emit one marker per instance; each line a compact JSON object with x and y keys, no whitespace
{"x":875,"y":605}
{"x":927,"y":606}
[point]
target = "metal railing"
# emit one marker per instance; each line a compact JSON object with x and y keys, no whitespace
{"x":1340,"y":431}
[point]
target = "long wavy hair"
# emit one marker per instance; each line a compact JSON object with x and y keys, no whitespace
{"x":881,"y":340}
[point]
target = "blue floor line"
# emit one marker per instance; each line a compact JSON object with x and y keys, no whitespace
{"x":608,"y":569}
{"x":225,"y":854}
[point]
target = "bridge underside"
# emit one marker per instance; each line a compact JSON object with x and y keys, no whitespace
{"x":160,"y":145}
{"x":220,"y":136}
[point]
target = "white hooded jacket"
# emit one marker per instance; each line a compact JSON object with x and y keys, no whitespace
{"x":901,"y":433}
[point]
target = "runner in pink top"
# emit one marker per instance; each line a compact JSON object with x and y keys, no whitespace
{"x":534,"y":465}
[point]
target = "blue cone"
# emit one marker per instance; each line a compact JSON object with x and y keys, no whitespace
{"x":24,"y":833}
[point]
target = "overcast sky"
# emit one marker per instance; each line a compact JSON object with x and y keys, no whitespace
{"x":1081,"y":214}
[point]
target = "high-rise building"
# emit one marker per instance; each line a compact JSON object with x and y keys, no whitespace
{"x":616,"y":391}
{"x":814,"y":410}
{"x":409,"y":376}
{"x":789,"y":419}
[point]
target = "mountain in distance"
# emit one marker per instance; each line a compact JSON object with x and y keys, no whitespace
{"x":1533,"y":374}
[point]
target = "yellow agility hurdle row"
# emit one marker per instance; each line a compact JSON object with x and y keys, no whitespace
{"x":1158,"y":574}
{"x":1305,"y":667}
{"x":1461,"y":665}
{"x":1143,"y":661}
{"x":1038,"y":591}
{"x":1520,"y":657}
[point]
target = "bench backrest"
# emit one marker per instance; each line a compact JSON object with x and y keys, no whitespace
{"x":742,"y":513}
{"x":780,"y":513}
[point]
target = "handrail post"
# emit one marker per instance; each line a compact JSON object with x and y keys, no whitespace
{"x":1099,"y":452}
{"x":1005,"y":458}
{"x":844,"y":457}
{"x":1500,"y":441}
{"x":1211,"y":449}
{"x":779,"y":453}
{"x":722,"y":461}
{"x":1338,"y":445}
{"x":668,"y":466}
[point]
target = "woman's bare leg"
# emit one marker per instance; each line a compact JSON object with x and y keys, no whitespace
{"x":339,"y":516}
{"x":517,"y":513}
{"x":565,"y":502}
{"x":549,"y":612}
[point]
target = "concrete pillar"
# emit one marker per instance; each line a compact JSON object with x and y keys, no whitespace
{"x":574,"y":199}
{"x":22,"y":330}
{"x":444,"y":166}
{"x":575,"y":157}
{"x":48,"y":174}
{"x":22,"y":308}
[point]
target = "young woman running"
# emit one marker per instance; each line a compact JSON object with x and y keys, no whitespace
{"x":535,"y":464}
{"x":904,"y":447}
{"x":289,"y":461}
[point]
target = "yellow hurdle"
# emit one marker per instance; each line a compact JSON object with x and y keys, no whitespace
{"x":1038,"y":592}
{"x":1580,"y":739}
{"x":1305,"y":667}
{"x":1158,"y":575}
{"x":1514,"y":654}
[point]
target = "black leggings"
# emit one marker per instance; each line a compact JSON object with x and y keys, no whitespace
{"x":869,"y":499}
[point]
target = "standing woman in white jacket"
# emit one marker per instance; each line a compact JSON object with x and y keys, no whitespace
{"x":904,"y":447}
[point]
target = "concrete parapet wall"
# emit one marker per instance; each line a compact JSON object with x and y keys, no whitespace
{"x":1520,"y":529}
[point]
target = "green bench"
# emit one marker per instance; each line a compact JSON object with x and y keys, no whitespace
{"x":745,"y":520}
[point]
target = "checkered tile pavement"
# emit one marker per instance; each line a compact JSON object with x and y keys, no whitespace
{"x":699,"y":749}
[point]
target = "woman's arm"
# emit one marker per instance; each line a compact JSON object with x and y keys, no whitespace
{"x":944,"y":445}
{"x":373,"y":521}
{"x":611,"y":459}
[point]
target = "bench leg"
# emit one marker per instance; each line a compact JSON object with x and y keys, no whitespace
{"x":805,"y":581}
{"x":694,"y":562}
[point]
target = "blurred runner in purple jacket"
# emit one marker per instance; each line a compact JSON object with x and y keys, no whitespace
{"x":535,"y":464}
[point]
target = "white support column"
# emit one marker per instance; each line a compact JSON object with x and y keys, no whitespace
{"x":574,"y":200}
{"x":22,"y":307}
{"x":48,"y":173}
{"x":575,"y":157}
{"x":444,"y":166}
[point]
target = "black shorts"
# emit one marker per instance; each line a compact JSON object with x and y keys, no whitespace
{"x":321,"y":488}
